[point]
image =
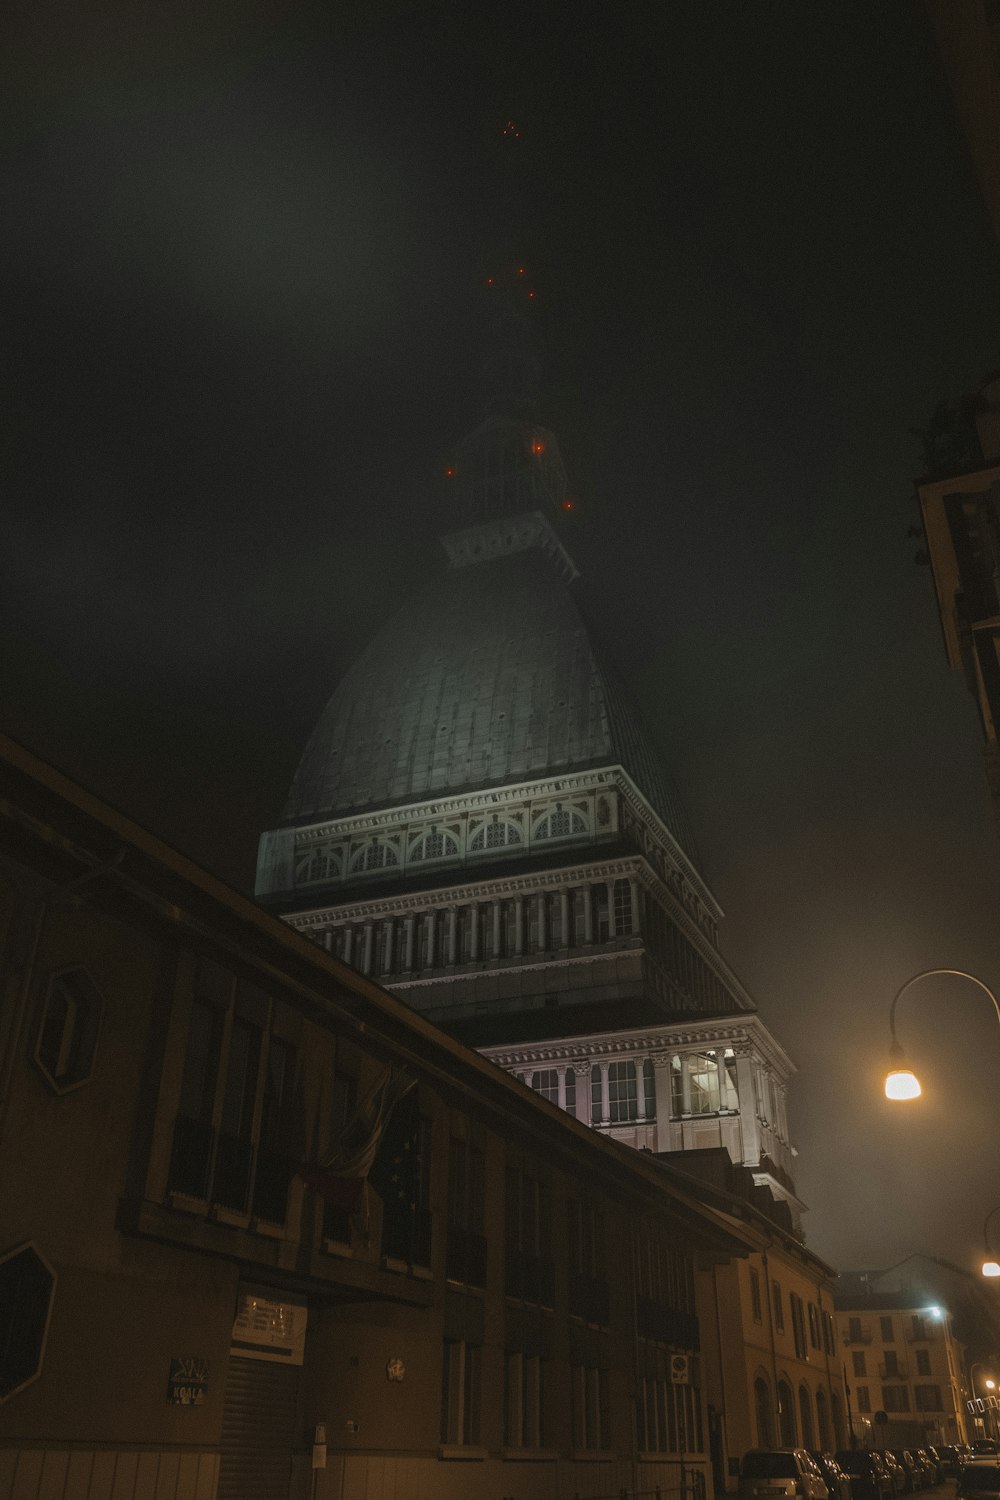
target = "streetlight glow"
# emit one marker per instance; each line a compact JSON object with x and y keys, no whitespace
{"x":902,"y":1084}
{"x":990,"y":1268}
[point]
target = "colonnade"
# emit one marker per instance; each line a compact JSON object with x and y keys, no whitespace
{"x":476,"y":932}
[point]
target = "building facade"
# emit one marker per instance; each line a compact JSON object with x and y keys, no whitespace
{"x":903,"y":1362}
{"x":265,"y":1229}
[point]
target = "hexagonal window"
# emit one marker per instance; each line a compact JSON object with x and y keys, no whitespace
{"x":27,"y":1284}
{"x":67,"y":1033}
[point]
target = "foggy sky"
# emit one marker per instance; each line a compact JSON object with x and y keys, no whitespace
{"x":241,"y":268}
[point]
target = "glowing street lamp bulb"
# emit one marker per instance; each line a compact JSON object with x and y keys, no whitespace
{"x":991,"y":1385}
{"x":902,"y":1084}
{"x":991,"y":1268}
{"x":935,"y":1312}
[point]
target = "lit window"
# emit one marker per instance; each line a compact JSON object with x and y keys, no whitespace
{"x":67,"y":1036}
{"x":498,"y":834}
{"x":703,"y":1077}
{"x":623,"y":1098}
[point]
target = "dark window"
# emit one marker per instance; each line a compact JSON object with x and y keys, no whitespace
{"x":755,"y":1303}
{"x":26,"y":1287}
{"x":466,"y":1258}
{"x":67,"y":1036}
{"x":779,"y":1311}
{"x":923,"y":1362}
{"x":858,"y":1362}
{"x":888,"y":1337}
{"x":461,"y":1383}
{"x":623,"y":908}
{"x":928,"y":1397}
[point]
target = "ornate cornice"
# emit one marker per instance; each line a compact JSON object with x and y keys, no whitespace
{"x":744,"y":1033}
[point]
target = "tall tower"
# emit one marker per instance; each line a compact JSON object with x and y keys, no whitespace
{"x":481,"y":822}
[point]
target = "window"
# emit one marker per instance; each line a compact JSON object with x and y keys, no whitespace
{"x":798,"y":1325}
{"x":571,"y":1090}
{"x":524,"y":1400}
{"x":786,"y":1414}
{"x":546,"y":1083}
{"x":648,"y":1089}
{"x":27,"y":1284}
{"x":895,"y":1398}
{"x":343,"y":1107}
{"x":461,"y":1387}
{"x":891,"y":1366}
{"x":530,"y":1272}
{"x":858,"y":1362}
{"x":805,"y":1417}
{"x":779,"y":1311}
{"x":923,"y":1361}
{"x":668,"y":1414}
{"x":319,"y":864}
{"x":562,"y":823}
{"x":888,"y":1337}
{"x":67,"y":1036}
{"x":919,"y":1330}
{"x":498,"y":834}
{"x":231,"y":1130}
{"x":375,"y":855}
{"x":928,"y":1397}
{"x":813,"y":1311}
{"x":863,"y":1398}
{"x":623,"y":1098}
{"x":854,"y":1330}
{"x":623,"y":908}
{"x":466,"y":1256}
{"x":703,"y":1078}
{"x":435,"y":844}
{"x":762,"y":1410}
{"x":755,"y":1305}
{"x":590,"y":1407}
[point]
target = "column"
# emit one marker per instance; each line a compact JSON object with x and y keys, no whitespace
{"x":561,"y":1077}
{"x":388,"y":944}
{"x":328,"y":940}
{"x":634,"y":889}
{"x":588,"y":914}
{"x":431,"y":920}
{"x":564,"y":933}
{"x":366,"y":959}
{"x":582,"y":1070}
{"x":452,"y":933}
{"x":348,"y":944}
{"x":518,"y":924}
{"x":474,"y":932}
{"x":664,"y":1103}
{"x":749,"y":1125}
{"x":408,"y":930}
{"x":543,"y":922}
{"x":605,"y":1093}
{"x":496,"y":929}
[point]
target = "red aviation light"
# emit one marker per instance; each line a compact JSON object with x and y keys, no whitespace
{"x":569,"y":504}
{"x":537,"y":447}
{"x":449,"y":472}
{"x":520,"y":270}
{"x":531,"y":294}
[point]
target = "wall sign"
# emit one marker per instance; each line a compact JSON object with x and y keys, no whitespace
{"x":188,"y":1382}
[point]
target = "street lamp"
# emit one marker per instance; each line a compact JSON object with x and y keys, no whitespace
{"x":901,"y":1082}
{"x":990,"y":1266}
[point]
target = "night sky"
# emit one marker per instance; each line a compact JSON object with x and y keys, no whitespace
{"x":243,"y":256}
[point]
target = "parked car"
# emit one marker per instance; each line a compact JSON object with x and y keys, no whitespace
{"x":896,"y":1471}
{"x":951,"y":1455}
{"x":985,"y":1448}
{"x":772,"y":1472}
{"x":979,"y":1479}
{"x":928,"y":1457}
{"x":914,"y":1476}
{"x":868,"y":1474}
{"x":837,"y":1482}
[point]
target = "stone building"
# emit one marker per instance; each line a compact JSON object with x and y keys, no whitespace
{"x":224,"y":1259}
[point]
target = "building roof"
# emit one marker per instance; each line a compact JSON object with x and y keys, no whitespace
{"x":487,"y":677}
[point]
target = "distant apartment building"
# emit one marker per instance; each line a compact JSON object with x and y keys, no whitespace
{"x":902,"y":1370}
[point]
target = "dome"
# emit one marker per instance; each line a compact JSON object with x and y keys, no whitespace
{"x":487,"y":677}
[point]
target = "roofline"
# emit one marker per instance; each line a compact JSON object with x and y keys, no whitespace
{"x":316,"y":967}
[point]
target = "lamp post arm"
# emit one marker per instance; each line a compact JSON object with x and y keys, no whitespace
{"x":926,"y":974}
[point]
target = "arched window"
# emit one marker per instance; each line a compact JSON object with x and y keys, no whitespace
{"x":823,"y":1422}
{"x":762,"y":1411}
{"x":374,"y":856}
{"x":437,"y":843}
{"x":805,"y":1417}
{"x":320,"y":864}
{"x":561,"y":823}
{"x":786,"y":1415}
{"x":500,"y":833}
{"x":839,"y":1436}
